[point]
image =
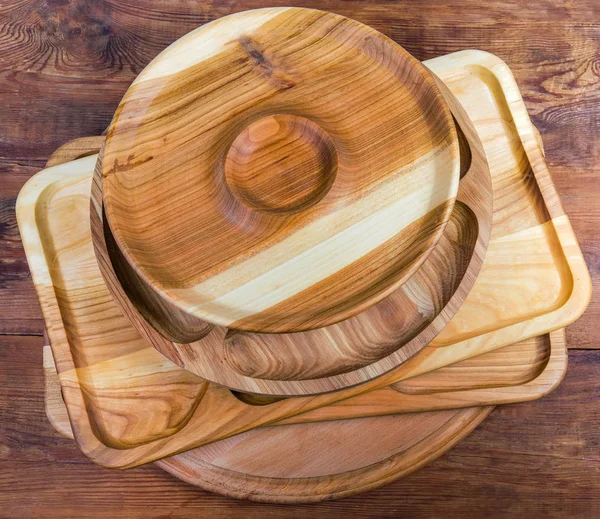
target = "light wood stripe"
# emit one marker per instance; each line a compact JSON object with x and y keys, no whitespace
{"x":311,"y":249}
{"x":206,"y":42}
{"x":225,"y":418}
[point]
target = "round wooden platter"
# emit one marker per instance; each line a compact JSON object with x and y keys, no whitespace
{"x":340,"y":355}
{"x":278,"y":170}
{"x":325,"y":460}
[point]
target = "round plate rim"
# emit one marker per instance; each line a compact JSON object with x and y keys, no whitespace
{"x":231,"y":483}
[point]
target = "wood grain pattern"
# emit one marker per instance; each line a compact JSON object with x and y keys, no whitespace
{"x":68,"y":65}
{"x":496,"y":470}
{"x":306,"y":463}
{"x":524,"y":371}
{"x":376,"y":333}
{"x":19,"y":308}
{"x":510,"y":359}
{"x":99,"y":369}
{"x":281,"y":164}
{"x":341,"y":355}
{"x":429,"y":360}
{"x":527,"y":212}
{"x":240,"y":417}
{"x":207,"y":236}
{"x":65,"y":67}
{"x":398,"y":320}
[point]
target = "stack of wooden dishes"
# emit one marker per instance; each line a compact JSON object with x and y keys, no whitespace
{"x":291,"y":222}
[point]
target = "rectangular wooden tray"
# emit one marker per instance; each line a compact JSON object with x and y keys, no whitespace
{"x":523,"y":371}
{"x":534,"y":280}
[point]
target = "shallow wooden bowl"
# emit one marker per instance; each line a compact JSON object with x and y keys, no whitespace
{"x":346,"y":353}
{"x":277,"y":170}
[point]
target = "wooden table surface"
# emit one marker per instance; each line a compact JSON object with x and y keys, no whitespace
{"x":64,"y":65}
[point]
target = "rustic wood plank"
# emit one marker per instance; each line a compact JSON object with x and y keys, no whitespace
{"x":579,"y":194}
{"x":64,"y":67}
{"x":51,"y":110}
{"x":104,"y":45}
{"x":538,"y":458}
{"x":19,"y":308}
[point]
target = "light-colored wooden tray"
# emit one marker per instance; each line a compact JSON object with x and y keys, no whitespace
{"x":308,"y":462}
{"x":524,"y":371}
{"x":299,"y":463}
{"x":113,"y":368}
{"x":531,"y":235}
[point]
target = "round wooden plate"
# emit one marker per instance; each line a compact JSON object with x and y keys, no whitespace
{"x":325,"y":460}
{"x":344,"y":354}
{"x":278,"y":170}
